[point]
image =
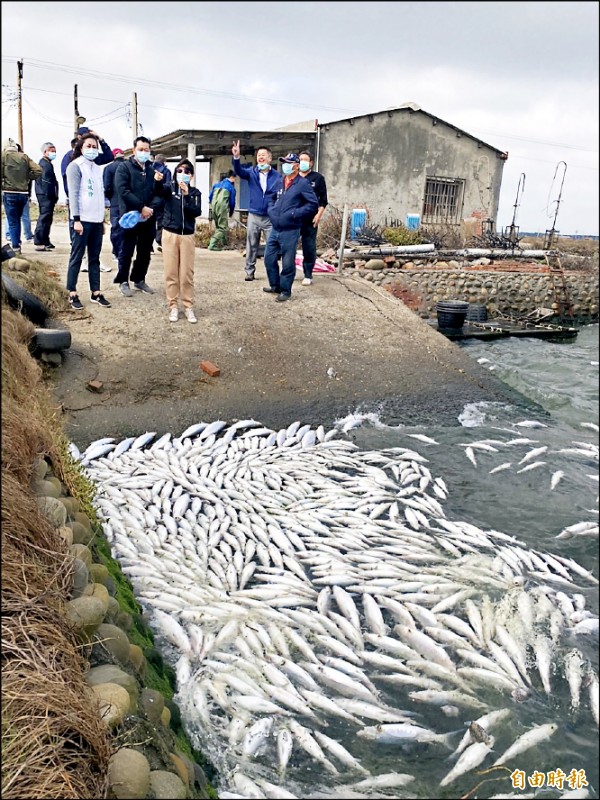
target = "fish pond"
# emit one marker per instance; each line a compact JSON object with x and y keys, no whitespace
{"x":379,"y":611}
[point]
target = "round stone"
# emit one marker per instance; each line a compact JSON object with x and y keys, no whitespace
{"x":128,"y":774}
{"x":81,"y":534}
{"x":114,"y":702}
{"x":99,"y":573}
{"x":115,"y":641}
{"x":110,"y":673}
{"x":153,"y":703}
{"x":85,"y":613}
{"x":165,"y":785}
{"x":53,"y":510}
{"x":83,"y":552}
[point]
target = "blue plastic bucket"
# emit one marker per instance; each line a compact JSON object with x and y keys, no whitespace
{"x":358,"y":220}
{"x":413,"y":221}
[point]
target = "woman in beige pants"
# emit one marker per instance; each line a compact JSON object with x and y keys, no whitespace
{"x":183,"y":203}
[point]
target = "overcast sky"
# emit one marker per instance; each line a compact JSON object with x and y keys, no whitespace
{"x":523,"y":77}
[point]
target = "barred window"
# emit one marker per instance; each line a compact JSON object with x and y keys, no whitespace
{"x":443,"y":200}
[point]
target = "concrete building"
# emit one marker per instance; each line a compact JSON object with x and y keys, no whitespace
{"x":394,"y":163}
{"x":406,"y":161}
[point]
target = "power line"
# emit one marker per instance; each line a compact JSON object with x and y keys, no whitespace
{"x":50,"y":65}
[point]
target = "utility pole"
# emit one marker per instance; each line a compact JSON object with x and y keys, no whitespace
{"x":135,"y":115}
{"x":20,"y":103}
{"x":75,"y":109}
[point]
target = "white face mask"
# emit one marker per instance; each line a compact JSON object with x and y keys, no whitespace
{"x":142,"y":156}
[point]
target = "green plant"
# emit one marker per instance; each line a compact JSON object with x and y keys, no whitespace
{"x":401,"y":235}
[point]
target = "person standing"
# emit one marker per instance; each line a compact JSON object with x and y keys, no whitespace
{"x":183,"y":203}
{"x":158,"y":204}
{"x":222,"y":204}
{"x":135,"y":187}
{"x":263,"y":184}
{"x":86,"y":208}
{"x":308,"y":232}
{"x":18,"y":170}
{"x":108,"y":176}
{"x":295,"y":203}
{"x":46,"y":191}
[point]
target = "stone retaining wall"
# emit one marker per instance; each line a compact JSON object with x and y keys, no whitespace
{"x":507,"y":289}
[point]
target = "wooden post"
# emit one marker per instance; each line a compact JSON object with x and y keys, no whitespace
{"x":191,"y":154}
{"x":343,"y":241}
{"x":134,"y":115}
{"x":20,"y":103}
{"x":75,"y":111}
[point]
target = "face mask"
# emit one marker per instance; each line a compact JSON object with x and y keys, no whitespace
{"x":304,"y":166}
{"x":142,"y":156}
{"x":263,"y":167}
{"x":184,"y":177}
{"x":287,"y":169}
{"x":51,"y":156}
{"x":91,"y":153}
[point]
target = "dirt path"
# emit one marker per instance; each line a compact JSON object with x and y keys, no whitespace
{"x":274,"y":357}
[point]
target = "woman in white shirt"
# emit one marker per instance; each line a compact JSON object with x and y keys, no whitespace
{"x":86,"y":209}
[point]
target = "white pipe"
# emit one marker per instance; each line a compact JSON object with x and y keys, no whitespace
{"x":480,"y":251}
{"x":391,"y":250}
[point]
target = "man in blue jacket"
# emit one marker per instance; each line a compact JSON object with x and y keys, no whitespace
{"x":263,"y":183}
{"x":294,"y":203}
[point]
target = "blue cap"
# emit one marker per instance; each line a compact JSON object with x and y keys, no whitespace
{"x":130,"y":219}
{"x":291,"y":158}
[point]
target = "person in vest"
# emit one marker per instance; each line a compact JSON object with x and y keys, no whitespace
{"x":86,"y":209}
{"x":222,"y":204}
{"x":46,"y":191}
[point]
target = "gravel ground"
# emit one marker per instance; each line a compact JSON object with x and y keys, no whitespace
{"x":274,"y":357}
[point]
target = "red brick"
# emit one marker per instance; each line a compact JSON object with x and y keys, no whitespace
{"x":95,"y":386}
{"x":210,"y":368}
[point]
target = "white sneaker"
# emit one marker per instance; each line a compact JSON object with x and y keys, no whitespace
{"x":115,"y":259}
{"x":190,"y":316}
{"x":307,"y":282}
{"x":104,"y":268}
{"x":173,"y":315}
{"x":84,"y":268}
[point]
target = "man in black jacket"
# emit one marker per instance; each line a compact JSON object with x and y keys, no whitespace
{"x":46,"y":191}
{"x":108,"y":176}
{"x":135,"y":187}
{"x":308,"y":232}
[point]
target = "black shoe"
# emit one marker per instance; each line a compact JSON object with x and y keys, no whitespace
{"x":100,"y":300}
{"x":75,"y":302}
{"x":282,"y":297}
{"x":271,"y":290}
{"x":249,"y":278}
{"x":50,"y":246}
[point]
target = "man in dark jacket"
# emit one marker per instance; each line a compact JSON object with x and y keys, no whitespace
{"x":108,"y":176}
{"x":308,"y":232}
{"x":263,"y":184}
{"x":18,"y":170}
{"x":295,"y":202}
{"x":158,"y":204}
{"x":46,"y":191}
{"x":135,"y":187}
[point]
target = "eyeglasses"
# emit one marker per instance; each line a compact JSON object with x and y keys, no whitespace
{"x":187,"y":171}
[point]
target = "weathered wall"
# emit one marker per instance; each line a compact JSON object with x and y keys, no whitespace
{"x":513,"y":293}
{"x":381,"y":162}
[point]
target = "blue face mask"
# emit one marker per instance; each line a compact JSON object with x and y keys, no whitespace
{"x":51,"y":156}
{"x":287,"y":169}
{"x":183,"y":177}
{"x":90,"y":153}
{"x":263,"y":167}
{"x":304,"y":166}
{"x":142,"y":156}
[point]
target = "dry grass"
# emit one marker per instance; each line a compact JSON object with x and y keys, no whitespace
{"x":53,"y":742}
